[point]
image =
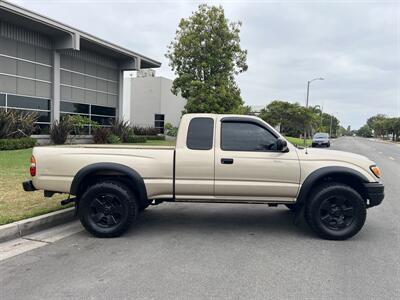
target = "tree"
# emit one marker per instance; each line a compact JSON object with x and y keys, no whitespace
{"x":365,"y":131}
{"x":206,"y":55}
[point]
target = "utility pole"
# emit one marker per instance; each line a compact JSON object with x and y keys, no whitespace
{"x":308,"y":93}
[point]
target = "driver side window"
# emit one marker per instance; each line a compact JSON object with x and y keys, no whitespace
{"x":241,"y":136}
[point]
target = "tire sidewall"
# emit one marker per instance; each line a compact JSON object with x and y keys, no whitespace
{"x":313,"y":211}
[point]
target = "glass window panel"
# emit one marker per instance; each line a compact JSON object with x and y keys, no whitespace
{"x":159,"y":124}
{"x":28,"y":102}
{"x":103,"y":110}
{"x":2,"y":100}
{"x":43,"y":116}
{"x":74,"y":107}
{"x":200,"y":134}
{"x":103,"y":120}
{"x":159,"y":117}
{"x":239,"y":136}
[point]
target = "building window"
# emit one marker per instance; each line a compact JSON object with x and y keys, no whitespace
{"x":159,"y":122}
{"x":101,"y":114}
{"x":25,"y":104}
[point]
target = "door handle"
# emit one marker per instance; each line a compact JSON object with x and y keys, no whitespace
{"x":227,"y":161}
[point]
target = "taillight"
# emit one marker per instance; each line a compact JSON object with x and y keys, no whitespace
{"x":32,"y":169}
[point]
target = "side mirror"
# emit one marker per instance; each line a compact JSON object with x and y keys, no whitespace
{"x":281,"y":145}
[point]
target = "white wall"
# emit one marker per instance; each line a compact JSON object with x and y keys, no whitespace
{"x":150,"y":96}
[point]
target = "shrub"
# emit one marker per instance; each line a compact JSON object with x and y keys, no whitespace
{"x":138,"y":130}
{"x":14,"y":144}
{"x":101,"y":135}
{"x":155,"y":137}
{"x":137,"y":139}
{"x":60,"y":130}
{"x":113,"y":139}
{"x":80,"y":124}
{"x":121,"y":129}
{"x":170,"y":130}
{"x":16,"y":124}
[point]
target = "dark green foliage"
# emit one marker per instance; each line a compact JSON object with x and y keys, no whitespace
{"x":15,"y":124}
{"x":113,"y":139}
{"x":384,"y":127}
{"x":137,"y":139}
{"x":60,"y":130}
{"x":292,"y":117}
{"x":170,"y":130}
{"x":154,"y":137}
{"x":149,"y":131}
{"x":365,"y":131}
{"x":101,"y":135}
{"x":121,"y":129}
{"x":14,"y":144}
{"x":206,"y":56}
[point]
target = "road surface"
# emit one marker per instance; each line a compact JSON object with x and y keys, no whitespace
{"x":198,"y":251}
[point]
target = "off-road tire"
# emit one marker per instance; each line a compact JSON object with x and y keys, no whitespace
{"x":335,"y":211}
{"x":100,"y":200}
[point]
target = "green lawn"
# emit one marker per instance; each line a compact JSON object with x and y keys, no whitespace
{"x":298,"y":141}
{"x":15,"y":203}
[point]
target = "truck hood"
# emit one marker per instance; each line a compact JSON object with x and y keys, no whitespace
{"x":335,"y":156}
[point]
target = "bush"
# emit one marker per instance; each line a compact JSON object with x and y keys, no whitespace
{"x":101,"y":135}
{"x":155,"y":137}
{"x":16,"y":124}
{"x":113,"y":139}
{"x":121,"y":129}
{"x":59,"y":131}
{"x":137,"y":139}
{"x":14,"y":144}
{"x":149,"y":131}
{"x":170,"y":130}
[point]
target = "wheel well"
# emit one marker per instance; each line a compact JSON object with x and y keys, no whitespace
{"x":348,"y":179}
{"x":99,"y":176}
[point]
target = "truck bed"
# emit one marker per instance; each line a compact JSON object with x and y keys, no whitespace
{"x":153,"y":163}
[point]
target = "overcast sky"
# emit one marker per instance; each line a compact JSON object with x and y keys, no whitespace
{"x":354,"y":46}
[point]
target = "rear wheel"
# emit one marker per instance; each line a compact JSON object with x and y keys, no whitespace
{"x":107,"y":209}
{"x":293,"y":207}
{"x":336,"y":211}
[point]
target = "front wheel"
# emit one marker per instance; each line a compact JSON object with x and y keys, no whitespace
{"x":336,"y":211}
{"x":107,"y":209}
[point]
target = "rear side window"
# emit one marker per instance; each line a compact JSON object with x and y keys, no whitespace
{"x":200,"y":134}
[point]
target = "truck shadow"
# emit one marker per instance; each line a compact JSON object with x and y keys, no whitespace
{"x":218,"y":219}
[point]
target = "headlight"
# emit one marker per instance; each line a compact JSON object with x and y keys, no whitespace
{"x":376,"y":171}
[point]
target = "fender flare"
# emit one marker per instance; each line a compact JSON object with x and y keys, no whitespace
{"x":133,"y":176}
{"x":312,"y":178}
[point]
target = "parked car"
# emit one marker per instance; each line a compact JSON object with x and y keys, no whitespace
{"x":321,"y":139}
{"x":217,"y":159}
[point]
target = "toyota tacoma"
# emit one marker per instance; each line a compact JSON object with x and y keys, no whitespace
{"x":217,"y":159}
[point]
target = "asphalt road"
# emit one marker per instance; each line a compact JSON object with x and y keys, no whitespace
{"x":198,"y":251}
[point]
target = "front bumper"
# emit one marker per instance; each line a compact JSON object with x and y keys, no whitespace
{"x":375,"y":192}
{"x":28,"y":186}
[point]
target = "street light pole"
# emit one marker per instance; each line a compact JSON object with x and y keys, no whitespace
{"x":308,"y":94}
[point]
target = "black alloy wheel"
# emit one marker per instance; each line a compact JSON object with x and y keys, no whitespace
{"x":108,"y":208}
{"x":335,"y":211}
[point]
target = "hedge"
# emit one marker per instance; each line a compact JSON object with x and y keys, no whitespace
{"x":14,"y":144}
{"x":155,"y":137}
{"x":137,"y":139}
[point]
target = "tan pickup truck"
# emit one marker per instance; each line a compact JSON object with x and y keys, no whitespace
{"x":217,"y":159}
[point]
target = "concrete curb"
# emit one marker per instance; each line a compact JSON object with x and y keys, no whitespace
{"x":24,"y":227}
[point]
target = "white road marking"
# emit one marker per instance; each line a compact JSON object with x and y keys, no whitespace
{"x":391,"y":158}
{"x":380,"y":152}
{"x":15,"y":247}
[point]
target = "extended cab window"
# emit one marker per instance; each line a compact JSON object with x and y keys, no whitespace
{"x":243,"y":136}
{"x":200,"y":134}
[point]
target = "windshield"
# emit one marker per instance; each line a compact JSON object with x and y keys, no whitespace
{"x":321,"y":136}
